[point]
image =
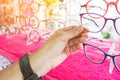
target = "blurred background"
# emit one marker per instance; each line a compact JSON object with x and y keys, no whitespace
{"x":25,"y":23}
{"x":31,"y":18}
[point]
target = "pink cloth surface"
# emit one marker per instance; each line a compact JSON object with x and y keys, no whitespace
{"x":75,"y":67}
{"x":14,"y":47}
{"x":78,"y":67}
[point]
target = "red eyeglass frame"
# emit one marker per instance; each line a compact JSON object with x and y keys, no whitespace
{"x":115,"y":3}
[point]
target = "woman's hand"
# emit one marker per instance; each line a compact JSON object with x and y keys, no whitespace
{"x":63,"y":42}
{"x":56,"y":49}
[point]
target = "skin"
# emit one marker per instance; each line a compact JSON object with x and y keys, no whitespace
{"x":56,"y":49}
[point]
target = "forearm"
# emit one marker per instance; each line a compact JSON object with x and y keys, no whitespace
{"x":38,"y":63}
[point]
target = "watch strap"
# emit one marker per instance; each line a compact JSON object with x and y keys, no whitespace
{"x":26,"y":69}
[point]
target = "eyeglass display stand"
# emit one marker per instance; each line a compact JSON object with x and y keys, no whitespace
{"x":112,"y":51}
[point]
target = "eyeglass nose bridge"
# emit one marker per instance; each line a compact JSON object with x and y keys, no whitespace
{"x":110,"y":19}
{"x":109,"y":56}
{"x":113,"y":20}
{"x":112,"y":3}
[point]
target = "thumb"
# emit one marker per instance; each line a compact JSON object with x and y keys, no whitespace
{"x":75,"y":31}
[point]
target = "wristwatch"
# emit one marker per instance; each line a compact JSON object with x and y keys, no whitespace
{"x":26,"y":69}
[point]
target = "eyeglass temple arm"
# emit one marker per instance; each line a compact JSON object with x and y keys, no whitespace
{"x":92,"y":6}
{"x":92,"y":21}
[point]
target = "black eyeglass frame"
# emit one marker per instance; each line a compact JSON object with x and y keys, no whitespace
{"x":105,"y":55}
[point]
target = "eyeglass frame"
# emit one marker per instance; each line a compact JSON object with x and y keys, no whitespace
{"x":106,"y":19}
{"x":63,"y":6}
{"x":29,"y":7}
{"x":107,"y":4}
{"x":105,"y":55}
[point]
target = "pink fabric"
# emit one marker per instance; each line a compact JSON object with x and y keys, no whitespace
{"x":14,"y":47}
{"x":78,"y":67}
{"x":75,"y":67}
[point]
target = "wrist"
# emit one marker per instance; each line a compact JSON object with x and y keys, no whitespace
{"x":39,"y":64}
{"x":26,"y":70}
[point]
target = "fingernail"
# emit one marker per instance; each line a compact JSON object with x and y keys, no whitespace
{"x":80,"y":28}
{"x":86,"y":29}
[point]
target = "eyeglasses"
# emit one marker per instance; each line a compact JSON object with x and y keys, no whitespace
{"x":99,"y":54}
{"x":33,"y":21}
{"x":33,"y":7}
{"x":69,"y":8}
{"x":96,"y":25}
{"x":54,"y":24}
{"x":101,"y":7}
{"x":32,"y":35}
{"x":73,"y":7}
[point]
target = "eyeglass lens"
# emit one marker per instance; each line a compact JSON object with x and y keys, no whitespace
{"x":102,"y":7}
{"x":73,"y":7}
{"x":95,"y":53}
{"x":93,"y":24}
{"x":98,"y":23}
{"x":98,"y":52}
{"x":117,"y":62}
{"x":117,"y":24}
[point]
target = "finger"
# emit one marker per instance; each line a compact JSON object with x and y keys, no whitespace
{"x":74,"y":32}
{"x":82,"y":39}
{"x":74,"y":48}
{"x":85,"y":30}
{"x":78,"y":46}
{"x":84,"y":35}
{"x":70,"y":43}
{"x":68,"y":28}
{"x":75,"y":41}
{"x":67,"y":50}
{"x":71,"y":50}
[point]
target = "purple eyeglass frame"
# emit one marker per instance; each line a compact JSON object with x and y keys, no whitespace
{"x":105,"y":19}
